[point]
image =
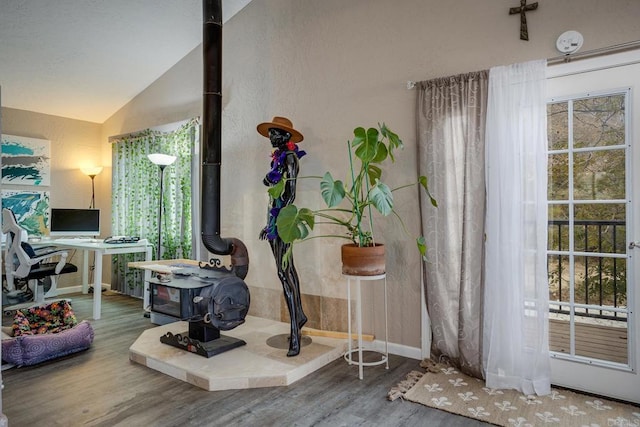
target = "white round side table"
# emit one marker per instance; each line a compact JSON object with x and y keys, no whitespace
{"x":384,"y":357}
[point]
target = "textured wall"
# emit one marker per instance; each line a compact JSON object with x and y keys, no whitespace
{"x":330,"y":66}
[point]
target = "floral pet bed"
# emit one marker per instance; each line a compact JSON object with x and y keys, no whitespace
{"x":43,"y":333}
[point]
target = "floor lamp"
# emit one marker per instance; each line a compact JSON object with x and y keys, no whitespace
{"x":162,"y":160}
{"x":91,"y":173}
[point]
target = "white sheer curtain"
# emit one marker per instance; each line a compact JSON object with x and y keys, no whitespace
{"x":515,"y":336}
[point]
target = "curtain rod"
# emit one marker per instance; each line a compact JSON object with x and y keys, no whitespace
{"x":617,"y":48}
{"x":116,"y":138}
{"x":169,"y":127}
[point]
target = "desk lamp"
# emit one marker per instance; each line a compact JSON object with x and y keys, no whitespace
{"x":91,"y":173}
{"x":162,"y":160}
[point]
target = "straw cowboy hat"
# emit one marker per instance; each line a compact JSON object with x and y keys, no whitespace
{"x":280,"y":123}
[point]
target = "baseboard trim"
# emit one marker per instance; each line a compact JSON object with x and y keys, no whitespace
{"x":75,"y":289}
{"x":397,"y":349}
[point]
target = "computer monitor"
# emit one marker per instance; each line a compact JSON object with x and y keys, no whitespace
{"x":75,"y":222}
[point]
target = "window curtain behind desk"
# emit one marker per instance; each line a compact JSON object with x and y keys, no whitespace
{"x":136,"y":197}
{"x":516,"y":300}
{"x":451,"y":129}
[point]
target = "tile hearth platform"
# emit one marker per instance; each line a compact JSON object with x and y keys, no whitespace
{"x":253,"y":365}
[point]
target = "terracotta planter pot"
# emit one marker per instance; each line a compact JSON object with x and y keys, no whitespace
{"x":365,"y":261}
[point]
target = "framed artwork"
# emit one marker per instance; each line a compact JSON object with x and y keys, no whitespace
{"x":26,"y":161}
{"x":31,"y":209}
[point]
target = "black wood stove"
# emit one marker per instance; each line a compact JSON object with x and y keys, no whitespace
{"x":210,"y":297}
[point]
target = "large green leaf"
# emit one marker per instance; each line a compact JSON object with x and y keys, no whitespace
{"x":359,"y":135}
{"x":332,"y":191}
{"x":276,"y":191}
{"x":381,"y":155}
{"x":294,"y":224}
{"x":393,"y":138}
{"x":381,"y":197}
{"x":367,"y":150}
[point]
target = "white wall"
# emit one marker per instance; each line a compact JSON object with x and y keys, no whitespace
{"x":330,"y":66}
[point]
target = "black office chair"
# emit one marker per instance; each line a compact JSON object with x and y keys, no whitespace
{"x":26,"y":265}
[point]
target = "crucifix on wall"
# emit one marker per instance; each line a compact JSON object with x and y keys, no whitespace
{"x":524,"y":7}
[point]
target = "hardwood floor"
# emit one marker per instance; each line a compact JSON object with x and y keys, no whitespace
{"x":101,"y":387}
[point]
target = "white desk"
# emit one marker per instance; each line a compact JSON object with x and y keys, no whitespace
{"x":100,"y":248}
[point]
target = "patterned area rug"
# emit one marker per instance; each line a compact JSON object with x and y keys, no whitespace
{"x":452,"y":391}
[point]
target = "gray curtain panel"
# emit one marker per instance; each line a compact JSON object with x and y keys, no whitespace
{"x":451,"y":116}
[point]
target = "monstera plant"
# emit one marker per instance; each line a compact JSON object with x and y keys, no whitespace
{"x":350,"y":201}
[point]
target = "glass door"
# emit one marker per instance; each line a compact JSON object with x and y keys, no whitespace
{"x":593,"y":220}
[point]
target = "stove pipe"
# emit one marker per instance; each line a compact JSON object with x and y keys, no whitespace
{"x":212,"y":142}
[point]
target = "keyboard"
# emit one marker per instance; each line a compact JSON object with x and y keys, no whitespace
{"x":75,"y":240}
{"x":121,"y":239}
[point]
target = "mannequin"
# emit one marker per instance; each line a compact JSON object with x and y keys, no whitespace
{"x":284,"y":165}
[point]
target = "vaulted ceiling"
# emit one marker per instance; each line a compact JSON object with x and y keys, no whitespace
{"x":85,"y":59}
